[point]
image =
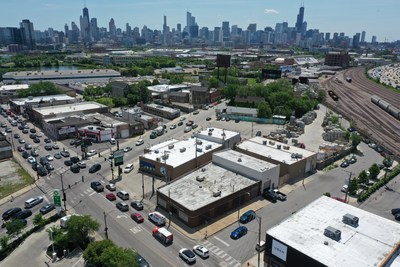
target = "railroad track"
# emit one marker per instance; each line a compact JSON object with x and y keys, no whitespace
{"x":355,"y":103}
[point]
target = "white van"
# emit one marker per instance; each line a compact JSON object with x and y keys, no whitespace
{"x":113,"y":141}
{"x":33,"y":202}
{"x":157,"y":218}
{"x":63,"y":220}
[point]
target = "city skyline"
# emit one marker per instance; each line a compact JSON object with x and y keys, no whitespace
{"x":355,"y":16}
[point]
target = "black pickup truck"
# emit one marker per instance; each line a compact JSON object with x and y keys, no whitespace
{"x":281,"y":196}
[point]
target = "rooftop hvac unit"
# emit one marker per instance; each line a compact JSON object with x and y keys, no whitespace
{"x":209,"y":133}
{"x":199,"y":142}
{"x":299,"y":156}
{"x":203,"y":169}
{"x":156,"y":151}
{"x":278,"y":146}
{"x":350,"y":219}
{"x":90,"y":128}
{"x":217,"y":194}
{"x":183,"y":149}
{"x":332,"y":233}
{"x":264,"y":142}
{"x":199,"y":149}
{"x":239,"y":160}
{"x":171,"y":146}
{"x":208,"y":146}
{"x":210,"y":129}
{"x":164,"y":157}
{"x":158,"y":159}
{"x":286,"y":147}
{"x":200,"y":179}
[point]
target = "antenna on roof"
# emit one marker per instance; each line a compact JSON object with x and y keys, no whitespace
{"x":84,"y":3}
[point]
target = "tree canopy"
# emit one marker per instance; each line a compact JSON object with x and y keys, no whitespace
{"x":40,"y":89}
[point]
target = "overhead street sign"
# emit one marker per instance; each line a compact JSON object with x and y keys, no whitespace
{"x":119,"y":157}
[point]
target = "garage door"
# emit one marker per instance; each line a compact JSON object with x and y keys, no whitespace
{"x":308,"y":166}
{"x":125,"y":133}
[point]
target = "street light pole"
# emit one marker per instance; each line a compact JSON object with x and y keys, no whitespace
{"x":259,"y":239}
{"x":64,"y":195}
{"x":105,"y":224}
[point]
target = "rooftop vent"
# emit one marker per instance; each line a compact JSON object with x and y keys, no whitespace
{"x":156,"y":151}
{"x":350,"y":219}
{"x":332,"y":233}
{"x":272,"y":143}
{"x":183,"y":149}
{"x":286,"y":147}
{"x":199,"y":149}
{"x":165,"y":156}
{"x":264,"y":142}
{"x":278,"y":146}
{"x":239,"y":160}
{"x":209,"y":133}
{"x":217,"y":194}
{"x":203,"y":169}
{"x":200,"y":179}
{"x":171,"y":146}
{"x":199,"y":142}
{"x":208,"y":146}
{"x":90,"y":127}
{"x":158,"y":159}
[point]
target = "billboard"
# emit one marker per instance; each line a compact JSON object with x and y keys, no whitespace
{"x":271,"y":74}
{"x":223,"y":61}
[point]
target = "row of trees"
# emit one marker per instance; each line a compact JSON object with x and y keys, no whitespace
{"x":40,"y":89}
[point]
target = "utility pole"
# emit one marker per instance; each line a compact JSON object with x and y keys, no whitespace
{"x":112,"y":169}
{"x":105,"y":224}
{"x":142,"y":186}
{"x":348,"y":186}
{"x":259,"y":239}
{"x":64,"y":195}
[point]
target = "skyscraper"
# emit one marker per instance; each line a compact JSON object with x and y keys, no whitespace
{"x":94,"y":30}
{"x":300,"y":20}
{"x":225,"y":31}
{"x":85,"y":26}
{"x":112,"y":29}
{"x":165,"y":30}
{"x":363,"y":36}
{"x":28,"y":34}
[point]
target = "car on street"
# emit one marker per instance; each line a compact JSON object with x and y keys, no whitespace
{"x":33,"y":130}
{"x":55,"y":146}
{"x":25,"y":154}
{"x":123,"y":195}
{"x":127,"y":149}
{"x":21,"y":141}
{"x":344,"y":164}
{"x":36,"y":140}
{"x":23,"y":214}
{"x":141,"y":261}
{"x":372,"y":145}
{"x":47,"y":208}
{"x":81,"y":164}
{"x":97,"y":186}
{"x":201,"y":251}
{"x":65,"y":153}
{"x":344,"y":188}
{"x":194,"y":126}
{"x":91,"y":153}
{"x":74,"y":159}
{"x":137,"y":205}
{"x":48,"y":147}
{"x":57,"y":156}
{"x":28,"y":146}
{"x":68,"y":163}
{"x":111,"y":187}
{"x":180,"y":123}
{"x":96,"y":167}
{"x":248,"y":216}
{"x":137,"y":217}
{"x":34,"y":153}
{"x":47,"y":140}
{"x":10,"y":213}
{"x":33,"y":201}
{"x":122,"y":206}
{"x":187,"y":129}
{"x":189,"y":123}
{"x":49,"y":158}
{"x":195,"y":112}
{"x":25,"y":131}
{"x":20,"y":149}
{"x":208,"y":118}
{"x":42,"y":171}
{"x":182,"y":118}
{"x":173,"y":126}
{"x":258,"y":133}
{"x":111,"y":196}
{"x":395,"y":211}
{"x":239,"y":232}
{"x":75,"y":168}
{"x":16,"y":136}
{"x":31,"y":160}
{"x":187,"y":255}
{"x":128,"y":168}
{"x":139,"y":142}
{"x":353,"y":160}
{"x":49,"y":167}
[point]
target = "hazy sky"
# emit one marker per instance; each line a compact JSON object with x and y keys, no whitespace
{"x":376,"y":17}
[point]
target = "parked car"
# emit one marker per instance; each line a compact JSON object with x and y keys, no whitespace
{"x":33,"y":130}
{"x":123,"y":195}
{"x":271,"y":196}
{"x":139,"y":142}
{"x":42,"y":171}
{"x":239,"y":232}
{"x":187,"y":255}
{"x":23,"y":214}
{"x":258,"y":133}
{"x":122,"y":206}
{"x":353,"y":160}
{"x":21,"y":141}
{"x":31,"y":160}
{"x":344,"y":188}
{"x":127,"y":149}
{"x":81,"y":164}
{"x":395,"y":211}
{"x":68,"y":163}
{"x":137,"y":205}
{"x":128,"y":168}
{"x":47,"y":208}
{"x":20,"y":149}
{"x":34,"y":153}
{"x":25,"y":131}
{"x":74,"y":159}
{"x":25,"y":154}
{"x":75,"y":168}
{"x":96,"y":167}
{"x":208,"y":118}
{"x":189,"y":123}
{"x":111,"y":187}
{"x":36,"y":140}
{"x":16,"y":136}
{"x":111,"y":197}
{"x":33,"y":201}
{"x":28,"y":146}
{"x":49,"y":167}
{"x":187,"y":129}
{"x":247,"y":216}
{"x":97,"y":186}
{"x":173,"y":126}
{"x":47,"y":140}
{"x":55,"y":146}
{"x":180,"y":123}
{"x":49,"y":158}
{"x":281,"y":196}
{"x":344,"y":164}
{"x":57,"y":156}
{"x":91,"y":153}
{"x":8,"y":214}
{"x":48,"y":147}
{"x":65,"y":153}
{"x":137,"y":217}
{"x":201,"y":251}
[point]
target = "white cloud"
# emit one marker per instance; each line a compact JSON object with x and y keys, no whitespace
{"x":270,"y":11}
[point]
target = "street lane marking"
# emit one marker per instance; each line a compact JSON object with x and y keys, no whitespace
{"x":136,"y":229}
{"x":219,"y":253}
{"x":222,"y":241}
{"x":92,"y":194}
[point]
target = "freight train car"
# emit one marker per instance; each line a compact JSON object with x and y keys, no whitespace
{"x":392,"y":110}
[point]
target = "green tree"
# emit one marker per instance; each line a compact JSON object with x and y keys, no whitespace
{"x":79,"y":228}
{"x":106,"y":253}
{"x":213,"y":82}
{"x":4,"y":242}
{"x":362,"y":177}
{"x":106,"y":101}
{"x":321,"y":96}
{"x":355,"y":140}
{"x":387,"y":163}
{"x":155,"y":82}
{"x":264,"y":110}
{"x":38,"y":220}
{"x":59,"y":237}
{"x":15,"y":227}
{"x":327,"y":194}
{"x":374,"y":170}
{"x":353,"y":186}
{"x":39,"y":89}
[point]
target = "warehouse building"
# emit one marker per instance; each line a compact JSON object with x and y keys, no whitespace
{"x":174,"y":158}
{"x":26,"y":104}
{"x":329,"y":233}
{"x":295,"y":163}
{"x":8,"y":92}
{"x":221,"y":136}
{"x":161,"y":111}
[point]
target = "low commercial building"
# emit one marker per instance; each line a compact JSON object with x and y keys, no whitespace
{"x":206,"y":193}
{"x":334,"y":58}
{"x":135,"y":115}
{"x":295,"y":163}
{"x":26,"y":104}
{"x":64,"y":127}
{"x":329,"y":233}
{"x":60,"y":76}
{"x":200,"y":96}
{"x":174,"y":158}
{"x":161,"y":111}
{"x":79,"y":109}
{"x":239,"y":111}
{"x":8,"y":92}
{"x":228,"y":139}
{"x":6,"y":151}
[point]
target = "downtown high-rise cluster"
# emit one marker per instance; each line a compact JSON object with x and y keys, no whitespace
{"x":225,"y":35}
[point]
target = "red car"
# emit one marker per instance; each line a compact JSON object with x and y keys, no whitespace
{"x":111,"y":197}
{"x":21,"y":149}
{"x":137,"y":217}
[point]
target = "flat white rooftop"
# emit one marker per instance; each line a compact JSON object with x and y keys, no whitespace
{"x":270,"y":150}
{"x":365,"y":245}
{"x":193,"y":194}
{"x":74,"y":107}
{"x":47,"y":98}
{"x":181,"y":152}
{"x":217,"y":133}
{"x":13,"y":87}
{"x":159,"y":107}
{"x":163,"y":88}
{"x":245,"y":160}
{"x":55,"y":74}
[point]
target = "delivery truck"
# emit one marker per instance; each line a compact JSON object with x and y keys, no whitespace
{"x":163,"y":235}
